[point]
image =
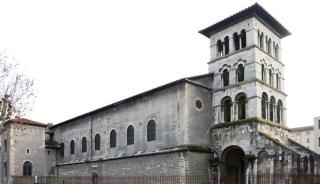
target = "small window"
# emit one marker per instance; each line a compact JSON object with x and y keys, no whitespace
{"x":113,"y":139}
{"x":5,"y":145}
{"x":319,"y":123}
{"x":48,"y":152}
{"x":319,"y":141}
{"x":151,"y":130}
{"x":27,"y":169}
{"x":240,"y":73}
{"x":308,"y":140}
{"x":130,"y":135}
{"x":28,"y":151}
{"x":62,"y":150}
{"x":97,"y":142}
{"x":199,"y":104}
{"x":243,"y":38}
{"x":84,"y":145}
{"x":72,"y":147}
{"x":225,"y":77}
{"x":236,"y":41}
{"x":226,"y":45}
{"x":270,"y":78}
{"x":5,"y":169}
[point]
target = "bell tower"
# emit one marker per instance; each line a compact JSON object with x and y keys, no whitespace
{"x":248,"y":71}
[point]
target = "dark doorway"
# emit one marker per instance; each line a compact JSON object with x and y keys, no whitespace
{"x":234,"y":166}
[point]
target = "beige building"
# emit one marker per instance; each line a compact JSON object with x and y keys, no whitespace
{"x":304,"y":136}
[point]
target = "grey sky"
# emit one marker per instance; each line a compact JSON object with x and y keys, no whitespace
{"x":85,"y":54}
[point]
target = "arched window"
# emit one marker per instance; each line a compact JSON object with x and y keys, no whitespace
{"x":261,"y":40}
{"x":278,"y":81}
{"x":279,"y":111}
{"x":271,"y":108}
{"x":226,"y":45}
{"x":263,"y":74}
{"x":62,"y":151}
{"x":151,"y":130}
{"x":276,"y":51}
{"x":240,"y":73}
{"x":270,"y":78}
{"x":225,"y":77}
{"x":84,"y":145}
{"x":219,"y":48}
{"x":130,"y":135}
{"x":113,"y":139}
{"x":27,"y":168}
{"x":97,"y":142}
{"x":243,"y":38}
{"x":267,"y":46}
{"x":264,"y":101}
{"x":236,"y":41}
{"x":72,"y":147}
{"x":241,"y":100}
{"x":226,"y":104}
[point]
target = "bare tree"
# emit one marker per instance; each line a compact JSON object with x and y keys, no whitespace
{"x":16,"y":90}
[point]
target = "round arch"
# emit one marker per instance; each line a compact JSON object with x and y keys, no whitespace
{"x":233,"y":159}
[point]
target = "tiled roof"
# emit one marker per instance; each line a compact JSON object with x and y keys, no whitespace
{"x":24,"y":121}
{"x":253,"y":11}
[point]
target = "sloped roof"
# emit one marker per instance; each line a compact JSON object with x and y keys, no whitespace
{"x":304,"y":128}
{"x":256,"y":11}
{"x":24,"y":121}
{"x":146,"y":93}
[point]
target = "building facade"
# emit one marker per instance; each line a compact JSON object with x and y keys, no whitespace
{"x":316,"y":128}
{"x":229,"y":124}
{"x":304,"y":136}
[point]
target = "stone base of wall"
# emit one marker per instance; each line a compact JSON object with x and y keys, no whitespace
{"x":168,"y":164}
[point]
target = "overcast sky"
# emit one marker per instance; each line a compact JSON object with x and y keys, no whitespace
{"x":85,"y":54}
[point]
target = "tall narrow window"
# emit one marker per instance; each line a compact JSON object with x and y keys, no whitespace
{"x":97,"y":142}
{"x":270,"y":78}
{"x":151,"y":130}
{"x":276,"y":51}
{"x":113,"y":139}
{"x":319,"y":124}
{"x":311,"y":164}
{"x":5,"y":145}
{"x":72,"y":147}
{"x":305,"y":164}
{"x":219,"y":48}
{"x":27,"y":169}
{"x":271,"y":108}
{"x":226,"y":45}
{"x":62,"y":151}
{"x":243,"y":38}
{"x":130,"y":135}
{"x":240,"y":73}
{"x":278,"y":81}
{"x":84,"y":145}
{"x":269,"y":46}
{"x":236,"y":41}
{"x":279,"y":111}
{"x":5,"y":169}
{"x":264,"y":105}
{"x":226,"y":108}
{"x":261,"y":40}
{"x":241,"y":100}
{"x":263,"y":73}
{"x":225,"y":77}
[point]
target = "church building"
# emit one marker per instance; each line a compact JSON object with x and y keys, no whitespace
{"x":227,"y":126}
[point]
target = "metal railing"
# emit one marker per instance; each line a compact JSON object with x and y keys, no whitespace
{"x":189,"y":179}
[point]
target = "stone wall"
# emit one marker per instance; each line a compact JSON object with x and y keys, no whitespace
{"x":167,"y":164}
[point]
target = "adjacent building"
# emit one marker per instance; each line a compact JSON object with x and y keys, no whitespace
{"x":304,"y":136}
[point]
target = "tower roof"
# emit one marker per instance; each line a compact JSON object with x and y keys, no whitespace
{"x":256,"y":11}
